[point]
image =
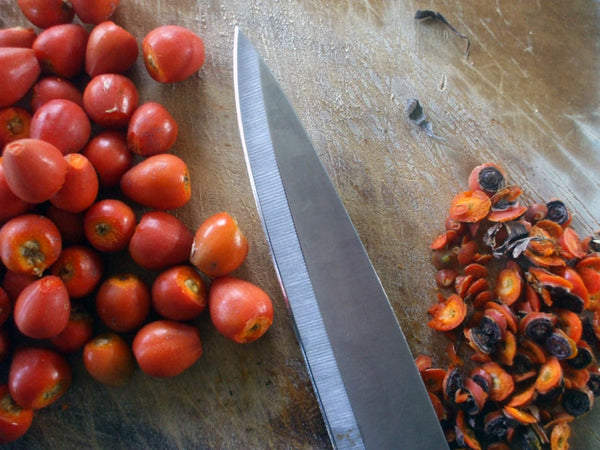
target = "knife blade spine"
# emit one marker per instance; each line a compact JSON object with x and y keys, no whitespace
{"x":291,"y":268}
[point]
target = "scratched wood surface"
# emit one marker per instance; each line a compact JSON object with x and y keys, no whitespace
{"x":526,"y":97}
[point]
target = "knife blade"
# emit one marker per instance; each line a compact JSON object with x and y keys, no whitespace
{"x":361,"y":367}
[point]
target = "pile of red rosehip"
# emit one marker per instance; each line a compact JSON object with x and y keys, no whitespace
{"x":87,"y":176}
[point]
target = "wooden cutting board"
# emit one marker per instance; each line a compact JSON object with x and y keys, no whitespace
{"x":525,"y":97}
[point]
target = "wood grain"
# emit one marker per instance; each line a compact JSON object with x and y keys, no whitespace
{"x":525,"y":97}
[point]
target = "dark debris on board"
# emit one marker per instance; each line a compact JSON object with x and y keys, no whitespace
{"x":415,"y":114}
{"x":427,"y":15}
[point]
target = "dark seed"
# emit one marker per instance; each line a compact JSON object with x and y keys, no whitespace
{"x":491,"y":179}
{"x":594,"y":384}
{"x":582,"y":360}
{"x":577,"y":401}
{"x":558,"y":345}
{"x":557,"y":212}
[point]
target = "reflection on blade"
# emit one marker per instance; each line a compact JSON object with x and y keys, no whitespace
{"x":368,"y":387}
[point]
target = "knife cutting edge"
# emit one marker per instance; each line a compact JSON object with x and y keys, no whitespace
{"x":368,"y":387}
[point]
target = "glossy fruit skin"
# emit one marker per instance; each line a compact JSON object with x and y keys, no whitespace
{"x":15,"y":282}
{"x":34,"y":170}
{"x":109,"y":224}
{"x":38,"y":377}
{"x":172,"y":53}
{"x":20,"y":37}
{"x":161,"y":182}
{"x":62,"y":123}
{"x":110,"y":49}
{"x":10,"y":205}
{"x":19,"y":70}
{"x":29,"y":244}
{"x":60,"y":49}
{"x":123,"y":302}
{"x":47,"y":13}
{"x":160,"y":240}
{"x":5,"y":306}
{"x":152,"y":130}
{"x":77,"y":333}
{"x":42,"y":309}
{"x":239,"y":310}
{"x":219,"y":246}
{"x":14,"y":420}
{"x":94,"y":11}
{"x":81,"y":185}
{"x":70,"y":225}
{"x":110,"y":99}
{"x":110,"y":156}
{"x":80,"y":268}
{"x":52,"y":88}
{"x":166,"y":348}
{"x":109,"y":359}
{"x":179,"y":293}
{"x":15,"y":123}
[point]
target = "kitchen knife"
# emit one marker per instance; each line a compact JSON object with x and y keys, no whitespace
{"x":367,"y":384}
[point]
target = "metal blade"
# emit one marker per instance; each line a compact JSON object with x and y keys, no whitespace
{"x":369,"y":389}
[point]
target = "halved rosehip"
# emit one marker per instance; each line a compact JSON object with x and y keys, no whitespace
{"x":519,"y":415}
{"x":489,"y":177}
{"x":29,"y":244}
{"x":561,"y":345}
{"x":578,"y":402}
{"x":558,"y":212}
{"x":453,"y":381}
{"x":495,"y":425}
{"x":502,"y":382}
{"x":550,"y":376}
{"x":433,"y":378}
{"x":523,"y":397}
{"x":559,"y":437}
{"x":470,"y":206}
{"x":537,"y":326}
{"x":448,"y":315}
{"x":508,"y":286}
{"x":584,"y":357}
